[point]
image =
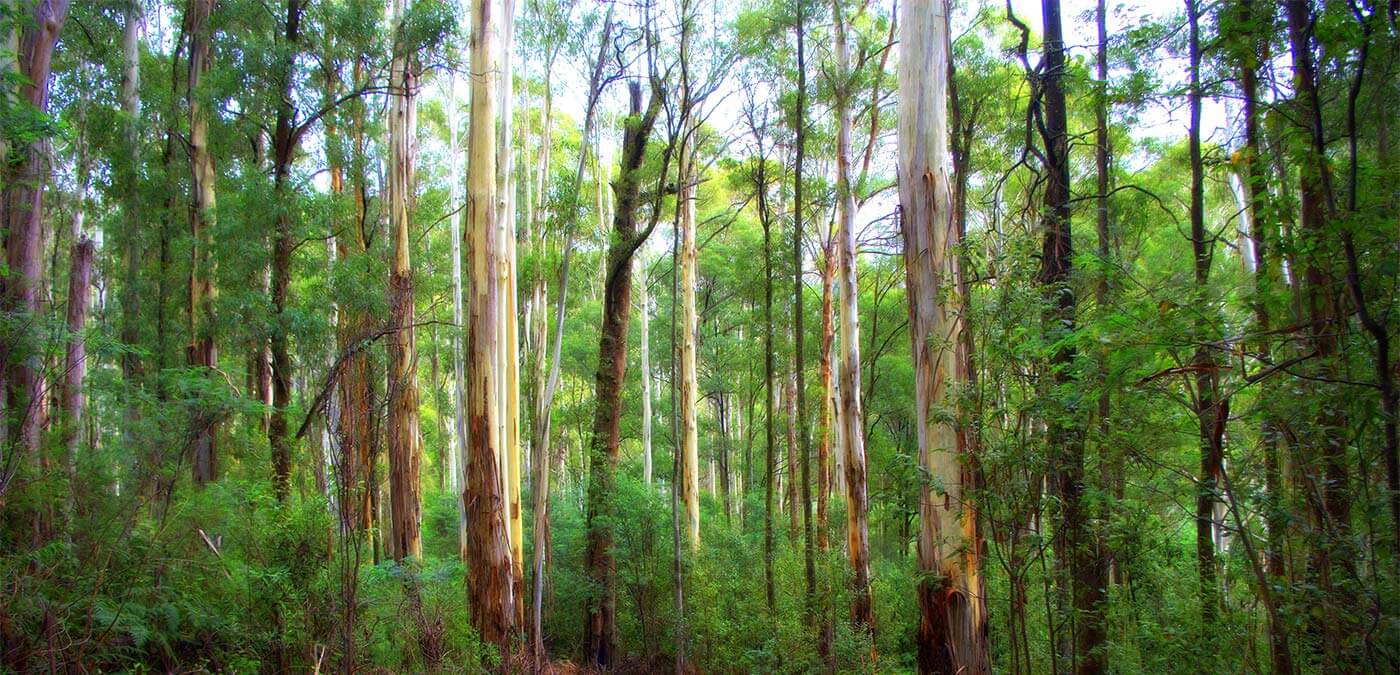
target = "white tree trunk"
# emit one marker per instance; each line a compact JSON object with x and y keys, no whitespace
{"x":509,"y":354}
{"x":459,"y":374}
{"x":690,"y":465}
{"x":644,"y":310}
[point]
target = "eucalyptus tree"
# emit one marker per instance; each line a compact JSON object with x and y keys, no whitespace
{"x":490,"y":581}
{"x":952,"y":630}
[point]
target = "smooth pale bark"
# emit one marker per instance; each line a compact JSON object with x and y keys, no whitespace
{"x":599,"y":564}
{"x":459,"y":367}
{"x":689,"y":387}
{"x":719,"y":473}
{"x":643,"y":313}
{"x":201,"y":352}
{"x":790,"y":405}
{"x":537,"y":320}
{"x":510,"y":454}
{"x":852,"y":415}
{"x":405,"y":499}
{"x":952,"y":631}
{"x":490,"y":580}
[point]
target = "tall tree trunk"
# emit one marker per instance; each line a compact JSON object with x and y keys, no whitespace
{"x":405,"y":501}
{"x":510,"y":454}
{"x":459,"y":367}
{"x":826,"y":414}
{"x":127,"y":174}
{"x":769,"y":392}
{"x":355,"y":393}
{"x":1096,"y":571}
{"x":600,"y":567}
{"x":1256,"y":21}
{"x":799,"y":334}
{"x":852,"y":414}
{"x":1064,"y":431}
{"x":793,"y":509}
{"x":1210,"y":413}
{"x":1326,"y":448}
{"x":1380,"y":334}
{"x":491,"y":580}
{"x":689,"y":440}
{"x":202,"y":351}
{"x":952,"y":631}
{"x":643,"y":313}
{"x":24,"y":176}
{"x":75,"y":359}
{"x":285,"y":138}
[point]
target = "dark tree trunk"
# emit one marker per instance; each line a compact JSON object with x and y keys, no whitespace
{"x":798,"y":332}
{"x":1210,"y":412}
{"x":1074,"y":556}
{"x":202,"y":352}
{"x":1323,"y":459}
{"x":601,"y":568}
{"x":284,"y":139}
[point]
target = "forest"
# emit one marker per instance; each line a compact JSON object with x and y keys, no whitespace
{"x":692,"y":336}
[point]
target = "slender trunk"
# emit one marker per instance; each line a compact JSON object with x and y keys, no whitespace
{"x":75,"y":360}
{"x":643,"y":313}
{"x":405,"y":502}
{"x":1210,"y":414}
{"x":852,"y":414}
{"x":1095,"y":571}
{"x":544,"y":410}
{"x":1376,"y":328}
{"x":721,"y":461}
{"x":459,"y":368}
{"x":128,"y":177}
{"x":509,"y":353}
{"x":952,"y":631}
{"x":769,"y":461}
{"x":799,"y":334}
{"x":689,"y":440}
{"x":491,"y":580}
{"x":1267,"y":278}
{"x":201,"y":352}
{"x":827,"y":412}
{"x":793,"y":510}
